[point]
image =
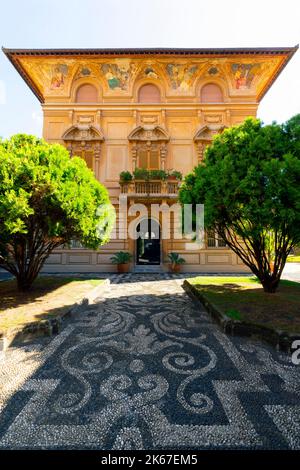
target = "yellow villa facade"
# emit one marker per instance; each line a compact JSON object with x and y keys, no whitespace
{"x":124,"y":109}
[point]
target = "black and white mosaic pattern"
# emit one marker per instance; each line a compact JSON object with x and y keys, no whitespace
{"x":144,"y":368}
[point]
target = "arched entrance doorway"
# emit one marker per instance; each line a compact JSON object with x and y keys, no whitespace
{"x":148,"y":243}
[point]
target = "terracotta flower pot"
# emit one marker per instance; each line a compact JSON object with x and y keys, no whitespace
{"x":123,"y":268}
{"x":175,"y":268}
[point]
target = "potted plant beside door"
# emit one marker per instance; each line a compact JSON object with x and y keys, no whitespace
{"x":122,"y":260}
{"x":175,"y":262}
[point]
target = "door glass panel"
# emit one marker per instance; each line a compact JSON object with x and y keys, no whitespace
{"x":148,"y":243}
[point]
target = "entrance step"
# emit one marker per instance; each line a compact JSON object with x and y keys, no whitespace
{"x":148,"y":269}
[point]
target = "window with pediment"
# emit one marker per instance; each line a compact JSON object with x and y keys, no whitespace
{"x":204,"y":137}
{"x":149,"y":148}
{"x":85,"y":141}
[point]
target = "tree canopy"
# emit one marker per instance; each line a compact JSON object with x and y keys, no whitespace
{"x":249,"y":184}
{"x":47,"y":199}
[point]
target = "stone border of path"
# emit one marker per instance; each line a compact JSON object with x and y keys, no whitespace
{"x":281,"y":340}
{"x":50,"y":326}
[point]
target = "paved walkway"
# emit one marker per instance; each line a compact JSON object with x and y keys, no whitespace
{"x":145,"y":368}
{"x":292,"y":272}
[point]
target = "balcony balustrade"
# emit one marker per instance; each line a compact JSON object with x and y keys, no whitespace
{"x":151,"y":188}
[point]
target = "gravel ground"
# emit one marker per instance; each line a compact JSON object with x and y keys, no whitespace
{"x":145,"y":368}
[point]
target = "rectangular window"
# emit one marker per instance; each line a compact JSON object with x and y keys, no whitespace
{"x":143,"y":159}
{"x":73,"y":244}
{"x":148,"y":159}
{"x":87,"y":156}
{"x":76,"y":244}
{"x":214,"y":241}
{"x":154,"y":160}
{"x":89,"y":159}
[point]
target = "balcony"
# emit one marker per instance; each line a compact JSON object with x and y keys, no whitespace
{"x":155,"y":189}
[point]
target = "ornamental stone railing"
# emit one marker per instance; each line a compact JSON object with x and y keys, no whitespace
{"x":151,"y":188}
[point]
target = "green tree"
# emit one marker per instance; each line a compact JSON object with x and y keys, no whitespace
{"x":249,"y":184}
{"x":46,"y":200}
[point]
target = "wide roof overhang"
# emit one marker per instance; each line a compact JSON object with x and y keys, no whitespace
{"x":14,"y":54}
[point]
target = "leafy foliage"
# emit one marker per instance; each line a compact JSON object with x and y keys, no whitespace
{"x":121,"y":257}
{"x":158,"y":174}
{"x":46,"y":199}
{"x":141,"y":174}
{"x":175,"y":174}
{"x":175,"y":258}
{"x":125,"y":176}
{"x":250,"y":186}
{"x":146,"y":175}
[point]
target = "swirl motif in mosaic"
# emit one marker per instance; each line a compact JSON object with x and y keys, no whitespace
{"x":144,"y":368}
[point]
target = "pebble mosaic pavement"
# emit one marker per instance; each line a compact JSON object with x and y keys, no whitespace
{"x":146,"y":368}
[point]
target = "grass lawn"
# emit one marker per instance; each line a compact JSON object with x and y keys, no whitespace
{"x":293,"y":259}
{"x":243,"y":298}
{"x":49,"y":297}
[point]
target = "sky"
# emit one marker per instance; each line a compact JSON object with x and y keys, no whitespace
{"x":145,"y":23}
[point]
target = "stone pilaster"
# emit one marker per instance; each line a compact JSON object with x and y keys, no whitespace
{"x":163,"y":156}
{"x":134,"y":156}
{"x":200,"y":151}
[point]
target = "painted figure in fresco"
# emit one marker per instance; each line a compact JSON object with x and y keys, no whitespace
{"x":244,"y":74}
{"x":117,"y":74}
{"x":83,"y":72}
{"x":213,"y":70}
{"x":150,"y":72}
{"x":59,"y":72}
{"x":181,"y":76}
{"x":188,"y":73}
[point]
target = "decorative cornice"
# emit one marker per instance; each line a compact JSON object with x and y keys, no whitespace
{"x":155,"y":51}
{"x":15,"y":54}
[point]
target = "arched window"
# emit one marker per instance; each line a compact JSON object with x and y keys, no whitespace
{"x":211,"y":93}
{"x":149,"y":94}
{"x":86,"y":94}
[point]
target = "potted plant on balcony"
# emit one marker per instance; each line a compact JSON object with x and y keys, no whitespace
{"x":125,"y":177}
{"x":174,"y":175}
{"x":158,"y":175}
{"x":122,"y":260}
{"x":175,"y":262}
{"x":141,"y":174}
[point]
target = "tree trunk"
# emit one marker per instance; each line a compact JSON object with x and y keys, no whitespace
{"x":269,"y":283}
{"x":25,"y":281}
{"x":28,"y":272}
{"x":25,"y":258}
